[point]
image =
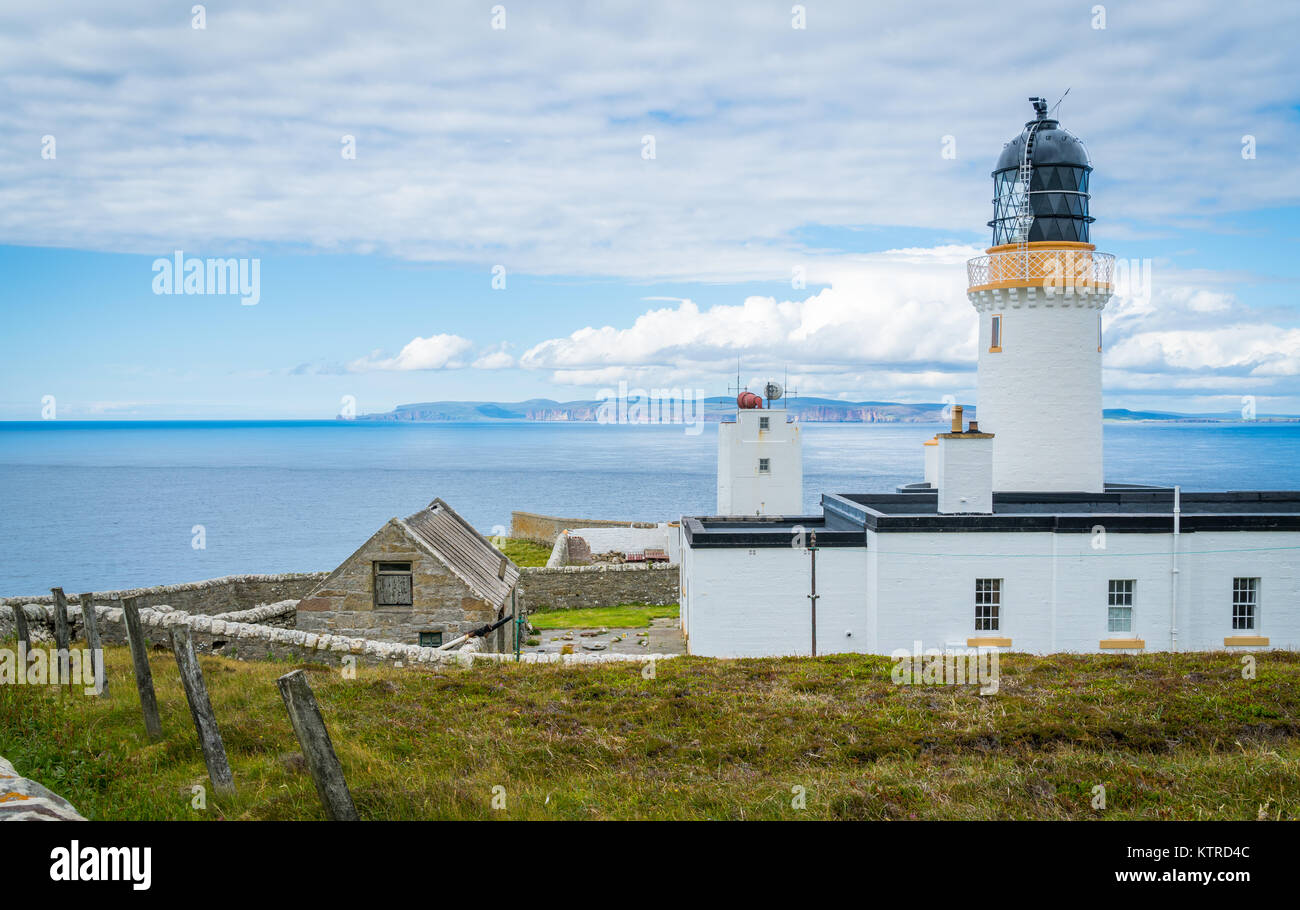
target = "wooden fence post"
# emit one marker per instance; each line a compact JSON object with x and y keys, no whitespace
{"x":317,"y":748}
{"x":143,"y":675}
{"x":91,"y":620}
{"x":24,"y":634}
{"x":205,"y":720}
{"x":62,"y":636}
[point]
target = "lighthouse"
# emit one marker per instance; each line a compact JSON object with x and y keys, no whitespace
{"x":1039,"y":291}
{"x":996,"y":550}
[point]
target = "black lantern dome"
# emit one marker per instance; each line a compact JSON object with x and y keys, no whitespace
{"x":1058,"y":188}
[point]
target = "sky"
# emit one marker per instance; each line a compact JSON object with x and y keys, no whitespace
{"x":478,"y":201}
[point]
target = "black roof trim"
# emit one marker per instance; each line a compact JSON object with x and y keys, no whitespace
{"x":1122,"y":509}
{"x":763,"y":532}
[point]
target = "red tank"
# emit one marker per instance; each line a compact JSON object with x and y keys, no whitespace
{"x":747,"y":401}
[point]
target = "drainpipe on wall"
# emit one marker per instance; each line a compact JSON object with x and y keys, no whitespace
{"x":1173,"y":572}
{"x":812,"y":550}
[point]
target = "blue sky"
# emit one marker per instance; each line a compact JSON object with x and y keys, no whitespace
{"x":524,"y":148}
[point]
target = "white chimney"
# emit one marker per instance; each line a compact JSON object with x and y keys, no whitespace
{"x":965,"y":469}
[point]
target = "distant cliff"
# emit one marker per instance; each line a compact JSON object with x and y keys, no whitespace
{"x":811,"y":410}
{"x":818,"y":410}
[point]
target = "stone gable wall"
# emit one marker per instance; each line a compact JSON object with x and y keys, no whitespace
{"x":344,"y":602}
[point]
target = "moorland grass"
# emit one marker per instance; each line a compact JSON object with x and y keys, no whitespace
{"x":623,"y":616}
{"x":1170,"y":737}
{"x":523,"y":552}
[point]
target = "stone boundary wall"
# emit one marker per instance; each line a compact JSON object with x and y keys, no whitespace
{"x":545,"y":528}
{"x":216,"y":595}
{"x":575,"y":587}
{"x":245,"y":641}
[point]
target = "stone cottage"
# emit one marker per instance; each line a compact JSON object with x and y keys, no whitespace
{"x":425,"y":580}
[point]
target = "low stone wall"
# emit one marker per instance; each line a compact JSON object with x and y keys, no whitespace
{"x":216,"y":595}
{"x":574,"y":587}
{"x":282,"y":615}
{"x":245,"y":641}
{"x":545,"y":528}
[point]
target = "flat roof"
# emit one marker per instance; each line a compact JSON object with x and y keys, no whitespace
{"x":1122,"y":508}
{"x":756,"y":531}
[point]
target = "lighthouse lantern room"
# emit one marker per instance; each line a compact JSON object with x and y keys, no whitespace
{"x":1039,"y":292}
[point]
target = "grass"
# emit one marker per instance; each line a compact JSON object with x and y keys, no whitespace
{"x":1170,"y":737}
{"x":523,"y":552}
{"x":623,"y":616}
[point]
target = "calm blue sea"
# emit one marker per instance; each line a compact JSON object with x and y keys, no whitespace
{"x":110,"y":505}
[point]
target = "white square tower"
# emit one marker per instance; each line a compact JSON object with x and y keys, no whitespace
{"x":760,"y":464}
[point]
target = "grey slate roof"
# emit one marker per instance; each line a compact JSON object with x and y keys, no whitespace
{"x":485,"y":569}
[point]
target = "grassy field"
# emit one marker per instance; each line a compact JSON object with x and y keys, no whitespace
{"x":524,"y":552}
{"x":623,"y":616}
{"x":1168,"y":737}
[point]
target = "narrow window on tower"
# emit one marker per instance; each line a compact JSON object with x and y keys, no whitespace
{"x":764,"y":466}
{"x":1098,"y":334}
{"x":995,"y":335}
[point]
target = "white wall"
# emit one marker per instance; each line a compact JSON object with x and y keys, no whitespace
{"x":1054,"y":591}
{"x":623,"y":540}
{"x":965,"y":474}
{"x":932,"y":462}
{"x":908,"y":587}
{"x":742,"y":490}
{"x":1041,"y":395}
{"x":754,"y":603}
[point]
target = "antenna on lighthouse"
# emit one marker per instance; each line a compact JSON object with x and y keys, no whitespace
{"x":1058,"y":103}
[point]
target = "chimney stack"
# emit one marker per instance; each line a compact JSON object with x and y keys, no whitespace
{"x":956,"y":418}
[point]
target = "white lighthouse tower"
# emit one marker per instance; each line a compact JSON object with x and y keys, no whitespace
{"x":1039,"y":293}
{"x":760,"y":459}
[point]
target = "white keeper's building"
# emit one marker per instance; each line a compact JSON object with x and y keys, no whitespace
{"x":1014,"y":540}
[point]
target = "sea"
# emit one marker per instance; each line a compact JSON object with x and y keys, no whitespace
{"x":100,"y":505}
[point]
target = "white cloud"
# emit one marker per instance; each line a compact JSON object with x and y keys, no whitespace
{"x":523,"y":146}
{"x":495,"y":359}
{"x":897,"y":326}
{"x":1258,"y":349}
{"x":437,"y":352}
{"x":905,"y":307}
